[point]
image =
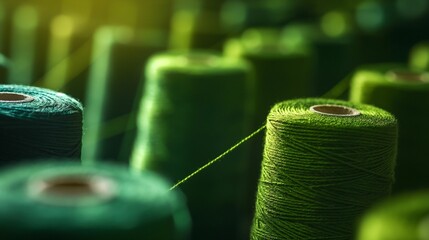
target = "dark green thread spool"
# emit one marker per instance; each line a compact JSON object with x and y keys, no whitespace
{"x":38,"y":123}
{"x":404,"y":217}
{"x":196,"y":105}
{"x":283,"y":70}
{"x":404,"y":93}
{"x":114,"y":89}
{"x":325,"y":162}
{"x":69,"y":201}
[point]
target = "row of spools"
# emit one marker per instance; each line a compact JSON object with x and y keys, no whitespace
{"x":324,"y":162}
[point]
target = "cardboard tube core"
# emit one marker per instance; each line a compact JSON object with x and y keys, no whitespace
{"x":73,"y":189}
{"x":11,"y":97}
{"x":334,"y":110}
{"x":408,"y":75}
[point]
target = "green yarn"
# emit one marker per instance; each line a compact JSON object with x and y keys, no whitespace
{"x":114,"y":90}
{"x":66,"y":200}
{"x":48,"y":126}
{"x":320,"y":172}
{"x":406,"y":99}
{"x":403,"y":217}
{"x":196,"y":105}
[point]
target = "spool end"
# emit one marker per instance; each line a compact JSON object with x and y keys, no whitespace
{"x":72,"y":189}
{"x":201,"y":60}
{"x":334,"y":110}
{"x":11,"y":97}
{"x":408,"y":76}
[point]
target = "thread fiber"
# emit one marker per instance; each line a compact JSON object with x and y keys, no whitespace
{"x":406,"y":95}
{"x":49,"y":126}
{"x":195,"y":105}
{"x":320,"y":172}
{"x":404,"y":217}
{"x":140,"y":205}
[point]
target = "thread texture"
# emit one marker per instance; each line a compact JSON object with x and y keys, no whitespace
{"x":406,"y":99}
{"x":49,"y":126}
{"x":319,"y":172}
{"x":404,"y":217}
{"x":196,"y":105}
{"x":141,"y":206}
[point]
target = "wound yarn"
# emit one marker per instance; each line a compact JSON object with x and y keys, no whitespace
{"x":66,"y":200}
{"x":325,"y":162}
{"x":38,"y":123}
{"x":405,"y":93}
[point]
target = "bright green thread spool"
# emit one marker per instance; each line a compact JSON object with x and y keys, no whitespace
{"x":403,"y":217}
{"x":325,"y":162}
{"x":419,"y":56}
{"x":404,"y":93}
{"x":38,"y":123}
{"x":114,"y":90}
{"x":195,"y":106}
{"x":69,"y":201}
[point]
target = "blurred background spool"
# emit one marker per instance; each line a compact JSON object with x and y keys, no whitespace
{"x":404,"y":93}
{"x":404,"y":217}
{"x":282,"y":70}
{"x":325,"y":162}
{"x":419,"y":57}
{"x":195,"y":106}
{"x":69,"y":201}
{"x":114,"y":89}
{"x":68,"y":57}
{"x":38,"y":123}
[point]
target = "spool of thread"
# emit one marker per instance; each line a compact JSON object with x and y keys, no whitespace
{"x":330,"y":40}
{"x":419,"y":57}
{"x":69,"y":56}
{"x":38,"y":123}
{"x":403,"y":217}
{"x":325,"y":162}
{"x":283,"y":70}
{"x":404,"y":93}
{"x":29,"y":43}
{"x":114,"y":90}
{"x":194,"y":107}
{"x":66,"y":200}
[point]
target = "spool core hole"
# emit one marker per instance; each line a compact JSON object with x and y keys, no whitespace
{"x":334,"y":110}
{"x":71,"y":187}
{"x":15,"y":97}
{"x":408,"y":75}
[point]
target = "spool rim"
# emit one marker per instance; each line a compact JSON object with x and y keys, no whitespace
{"x":334,"y":110}
{"x":198,"y":60}
{"x":72,"y":190}
{"x":13,"y":97}
{"x":407,"y":75}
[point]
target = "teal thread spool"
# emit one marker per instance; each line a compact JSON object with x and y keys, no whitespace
{"x":325,"y":162}
{"x":403,"y":217}
{"x":69,"y":201}
{"x":194,"y":107}
{"x":38,"y":123}
{"x":404,"y":93}
{"x":114,"y":90}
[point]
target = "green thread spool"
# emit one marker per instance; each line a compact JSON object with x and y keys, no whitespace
{"x":328,"y":47}
{"x":403,"y":217}
{"x":325,"y":162}
{"x":404,"y":93}
{"x":69,"y":201}
{"x":419,"y":57}
{"x":69,"y":56}
{"x":196,"y":104}
{"x":38,"y":123}
{"x":114,"y":90}
{"x":283,"y":70}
